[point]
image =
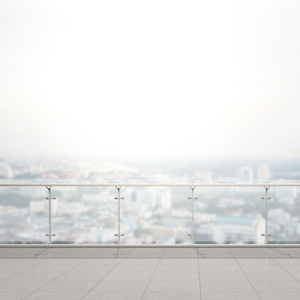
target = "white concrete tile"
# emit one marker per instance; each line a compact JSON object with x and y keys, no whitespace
{"x":13,"y":295}
{"x":229,"y":296}
{"x":27,"y":275}
{"x":113,"y":296}
{"x":288,"y":262}
{"x":2,"y":260}
{"x":122,"y":285}
{"x":93,"y":268}
{"x":18,"y":285}
{"x":134,"y":261}
{"x":223,"y":276}
{"x":292,"y":268}
{"x":253,"y":261}
{"x":173,"y":286}
{"x":101,"y":261}
{"x":13,"y":269}
{"x":172,"y":295}
{"x":50,"y":268}
{"x":179,"y":266}
{"x":276,"y":285}
{"x":175,"y":276}
{"x":136,"y":268}
{"x":219,"y":268}
{"x":266,"y":268}
{"x":82,"y":276}
{"x":270,"y":295}
{"x":55,"y":295}
{"x":210,"y":262}
{"x":60,"y":262}
{"x":23,"y":262}
{"x":6,"y":276}
{"x":268,"y":275}
{"x":178,"y":261}
{"x":69,"y":286}
{"x":129,"y":276}
{"x":226,"y":286}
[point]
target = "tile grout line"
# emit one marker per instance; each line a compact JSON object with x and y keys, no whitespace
{"x":153,"y":274}
{"x":244,"y":273}
{"x":280,"y":253}
{"x":58,"y":275}
{"x":21,"y":271}
{"x":26,"y":270}
{"x":199,"y":271}
{"x":106,"y":274}
{"x":284,"y":268}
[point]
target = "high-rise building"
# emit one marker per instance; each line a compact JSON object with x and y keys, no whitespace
{"x":245,"y":174}
{"x":263,"y":174}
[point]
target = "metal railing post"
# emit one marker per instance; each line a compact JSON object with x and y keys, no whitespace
{"x":50,"y":214}
{"x":193,"y":231}
{"x":266,"y":198}
{"x":119,"y":213}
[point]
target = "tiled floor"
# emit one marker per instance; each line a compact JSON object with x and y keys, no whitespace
{"x":150,"y":273}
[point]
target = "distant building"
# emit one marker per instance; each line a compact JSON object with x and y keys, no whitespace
{"x":245,"y":174}
{"x":263,"y":173}
{"x":239,"y":229}
{"x":6,"y":171}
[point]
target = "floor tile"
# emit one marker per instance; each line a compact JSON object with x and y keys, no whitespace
{"x":60,"y":262}
{"x":178,"y":261}
{"x":219,"y":268}
{"x":13,"y":295}
{"x":55,"y":295}
{"x":171,"y":295}
{"x":279,"y":295}
{"x":101,"y":261}
{"x":50,"y":268}
{"x":82,"y":276}
{"x":122,"y":285}
{"x":27,"y":275}
{"x":210,"y":262}
{"x":173,"y":286}
{"x":226,"y":286}
{"x":113,"y":296}
{"x":69,"y":286}
{"x":17,"y":285}
{"x":268,"y":275}
{"x":136,"y":261}
{"x":136,"y":268}
{"x":229,"y":296}
{"x":176,"y":276}
{"x":276,"y":285}
{"x":254,"y":261}
{"x":223,"y":276}
{"x":129,"y":276}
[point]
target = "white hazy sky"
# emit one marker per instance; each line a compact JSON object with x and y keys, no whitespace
{"x":149,"y":79}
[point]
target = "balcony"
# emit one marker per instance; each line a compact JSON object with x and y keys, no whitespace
{"x":55,"y":248}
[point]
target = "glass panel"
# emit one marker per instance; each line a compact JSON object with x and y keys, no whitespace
{"x":229,"y":215}
{"x":23,"y":215}
{"x":155,"y":215}
{"x":84,"y":215}
{"x":284,"y":215}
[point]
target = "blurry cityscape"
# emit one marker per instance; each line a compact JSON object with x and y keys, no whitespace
{"x":149,"y":215}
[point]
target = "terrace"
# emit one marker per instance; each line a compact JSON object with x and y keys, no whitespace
{"x":52,"y":268}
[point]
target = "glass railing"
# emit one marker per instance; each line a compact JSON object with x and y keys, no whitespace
{"x":137,"y":214}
